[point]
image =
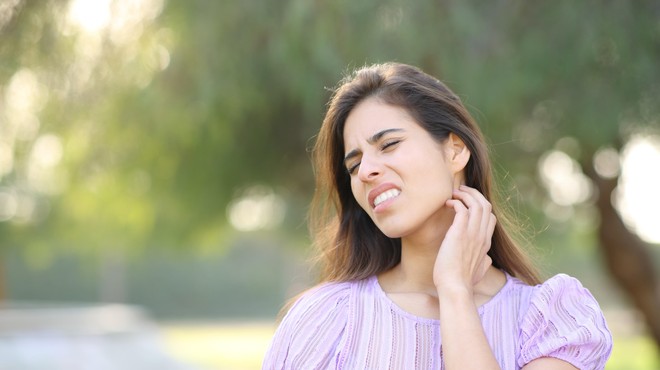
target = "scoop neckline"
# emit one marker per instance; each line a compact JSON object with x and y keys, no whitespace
{"x":395,"y":307}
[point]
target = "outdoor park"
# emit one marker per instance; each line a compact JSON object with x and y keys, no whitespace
{"x":155,"y":172}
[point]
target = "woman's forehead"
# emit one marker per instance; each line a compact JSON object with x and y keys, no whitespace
{"x":371,"y":117}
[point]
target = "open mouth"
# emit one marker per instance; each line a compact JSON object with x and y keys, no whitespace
{"x":386,"y":195}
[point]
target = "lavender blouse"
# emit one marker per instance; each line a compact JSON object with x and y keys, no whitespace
{"x":354,"y":325}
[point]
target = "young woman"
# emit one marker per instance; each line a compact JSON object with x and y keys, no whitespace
{"x":420,"y":271}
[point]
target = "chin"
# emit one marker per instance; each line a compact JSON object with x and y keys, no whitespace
{"x":392,"y":235}
{"x":393,"y":232}
{"x":394,"y":227}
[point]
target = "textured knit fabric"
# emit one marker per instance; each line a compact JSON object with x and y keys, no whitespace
{"x":354,"y":325}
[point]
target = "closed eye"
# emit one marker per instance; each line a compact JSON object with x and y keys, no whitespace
{"x":385,"y":146}
{"x":351,"y":169}
{"x":389,"y":144}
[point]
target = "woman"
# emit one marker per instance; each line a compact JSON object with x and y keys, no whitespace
{"x":419,"y":269}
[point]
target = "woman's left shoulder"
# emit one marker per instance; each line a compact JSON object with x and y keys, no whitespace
{"x":562,"y":283}
{"x":564,"y":320}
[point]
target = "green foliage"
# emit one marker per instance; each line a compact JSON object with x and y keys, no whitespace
{"x":161,"y":125}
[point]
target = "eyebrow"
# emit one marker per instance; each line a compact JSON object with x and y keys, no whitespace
{"x":372,"y":140}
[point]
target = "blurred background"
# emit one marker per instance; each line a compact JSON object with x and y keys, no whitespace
{"x":155,"y":173}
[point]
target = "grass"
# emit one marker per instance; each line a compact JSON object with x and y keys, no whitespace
{"x":241,"y":346}
{"x":634,"y":353}
{"x":224,"y":345}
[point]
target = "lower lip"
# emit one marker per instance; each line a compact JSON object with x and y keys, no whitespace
{"x":384,"y":205}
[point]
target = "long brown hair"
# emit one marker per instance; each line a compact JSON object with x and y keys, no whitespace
{"x":349,"y":243}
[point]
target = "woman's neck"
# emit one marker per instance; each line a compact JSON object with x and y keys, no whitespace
{"x":414,"y":274}
{"x":415,"y":271}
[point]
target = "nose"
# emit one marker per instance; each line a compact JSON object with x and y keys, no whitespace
{"x":369,"y":169}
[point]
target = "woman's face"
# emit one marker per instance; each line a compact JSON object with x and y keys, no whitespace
{"x":399,"y":174}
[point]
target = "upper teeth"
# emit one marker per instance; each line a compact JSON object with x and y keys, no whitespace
{"x":385,"y":196}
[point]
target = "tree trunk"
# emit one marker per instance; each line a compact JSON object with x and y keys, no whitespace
{"x":627,"y":257}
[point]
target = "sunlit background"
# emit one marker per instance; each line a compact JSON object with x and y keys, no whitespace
{"x":155,"y":174}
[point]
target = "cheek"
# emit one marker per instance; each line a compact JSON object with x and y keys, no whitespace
{"x":443,"y":183}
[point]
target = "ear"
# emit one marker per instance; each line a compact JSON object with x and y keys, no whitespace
{"x":457,"y":155}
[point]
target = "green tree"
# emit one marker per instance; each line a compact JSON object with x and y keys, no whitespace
{"x":139,"y":125}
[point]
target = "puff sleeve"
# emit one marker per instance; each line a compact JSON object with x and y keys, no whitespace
{"x":310,"y":335}
{"x":564,"y":321}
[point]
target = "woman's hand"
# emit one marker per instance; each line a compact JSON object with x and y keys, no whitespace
{"x":462,"y":259}
{"x":461,"y":263}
